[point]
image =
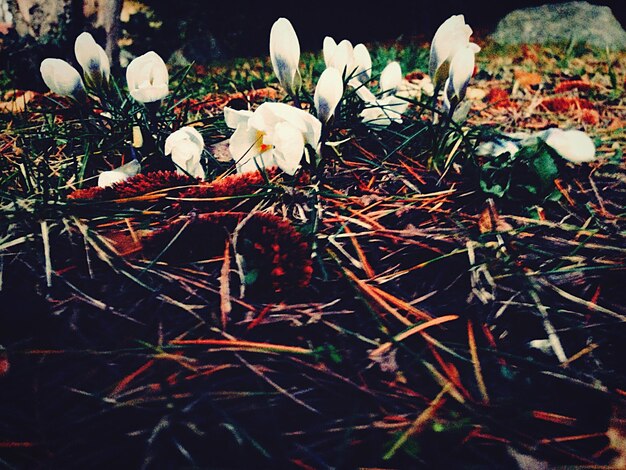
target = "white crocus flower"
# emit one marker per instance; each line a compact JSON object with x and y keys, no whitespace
{"x":328,"y":93}
{"x":381,"y":112}
{"x":285,"y":55}
{"x":275,"y":134}
{"x":147,"y":78}
{"x":92,"y":59}
{"x":451,"y":36}
{"x":461,"y":70}
{"x":108,"y":178}
{"x":61,"y":78}
{"x":573,"y":145}
{"x":390,"y":78}
{"x":186,"y":146}
{"x":354,"y":62}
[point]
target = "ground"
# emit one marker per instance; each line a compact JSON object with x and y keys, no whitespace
{"x":387,"y":309}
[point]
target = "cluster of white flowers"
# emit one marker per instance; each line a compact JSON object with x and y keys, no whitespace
{"x":278,"y":134}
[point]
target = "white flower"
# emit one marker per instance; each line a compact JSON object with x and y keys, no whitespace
{"x":354,"y":62}
{"x":108,"y":178}
{"x":275,"y":134}
{"x":92,"y":59}
{"x":285,"y":55}
{"x":147,"y":78}
{"x":391,"y":78}
{"x":186,"y":146}
{"x":328,"y":93}
{"x":383,"y":111}
{"x":61,"y":77}
{"x":497,"y":147}
{"x":461,"y":70}
{"x":573,"y":145}
{"x":450,"y":37}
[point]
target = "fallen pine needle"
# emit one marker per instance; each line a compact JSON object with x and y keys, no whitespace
{"x":411,"y":331}
{"x":246,"y":345}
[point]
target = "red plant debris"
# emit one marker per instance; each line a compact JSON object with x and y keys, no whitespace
{"x":224,"y":188}
{"x":135,"y":186}
{"x":214,"y":102}
{"x":95,"y":193}
{"x":499,"y":98}
{"x":269,"y":244}
{"x":568,"y":85}
{"x":224,"y":193}
{"x":590,"y":116}
{"x":564,"y":105}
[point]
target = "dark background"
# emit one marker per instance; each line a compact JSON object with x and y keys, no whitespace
{"x":241,"y":28}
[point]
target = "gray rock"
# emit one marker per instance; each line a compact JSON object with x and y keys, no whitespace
{"x":562,"y":22}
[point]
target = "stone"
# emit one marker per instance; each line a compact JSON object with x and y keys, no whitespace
{"x":563,"y":22}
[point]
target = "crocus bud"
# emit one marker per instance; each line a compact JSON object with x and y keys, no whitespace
{"x":328,"y":93}
{"x":62,"y":78}
{"x":362,"y":62}
{"x":391,"y":78}
{"x":461,"y":70}
{"x":452,"y":35}
{"x":285,"y":55}
{"x":147,"y":78}
{"x":186,"y":146}
{"x":108,"y":178}
{"x":352,"y":62}
{"x":92,"y":59}
{"x":573,"y":145}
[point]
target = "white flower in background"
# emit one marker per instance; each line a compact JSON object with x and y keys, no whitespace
{"x":92,"y":59}
{"x":275,"y":134}
{"x":328,"y":93}
{"x":285,"y":55}
{"x":451,"y":36}
{"x":391,"y":78}
{"x":147,"y":78}
{"x":461,"y":70}
{"x":61,"y":78}
{"x":381,"y":112}
{"x":186,"y":146}
{"x":496,"y":148}
{"x":573,"y":145}
{"x":108,"y":178}
{"x":354,"y":62}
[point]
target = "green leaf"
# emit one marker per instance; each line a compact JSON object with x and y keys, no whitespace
{"x":251,"y":277}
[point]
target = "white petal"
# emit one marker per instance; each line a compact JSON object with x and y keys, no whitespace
{"x":363,"y":63}
{"x":365,"y":94}
{"x":108,"y":178}
{"x":343,"y":58}
{"x":289,"y":147}
{"x":61,"y":77}
{"x":329,"y":48}
{"x":573,"y":145}
{"x":243,"y":146}
{"x":91,"y":57}
{"x":268,"y":115}
{"x":391,"y":77}
{"x":285,"y":54}
{"x":328,"y":93}
{"x":461,"y":70}
{"x":234,"y":117}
